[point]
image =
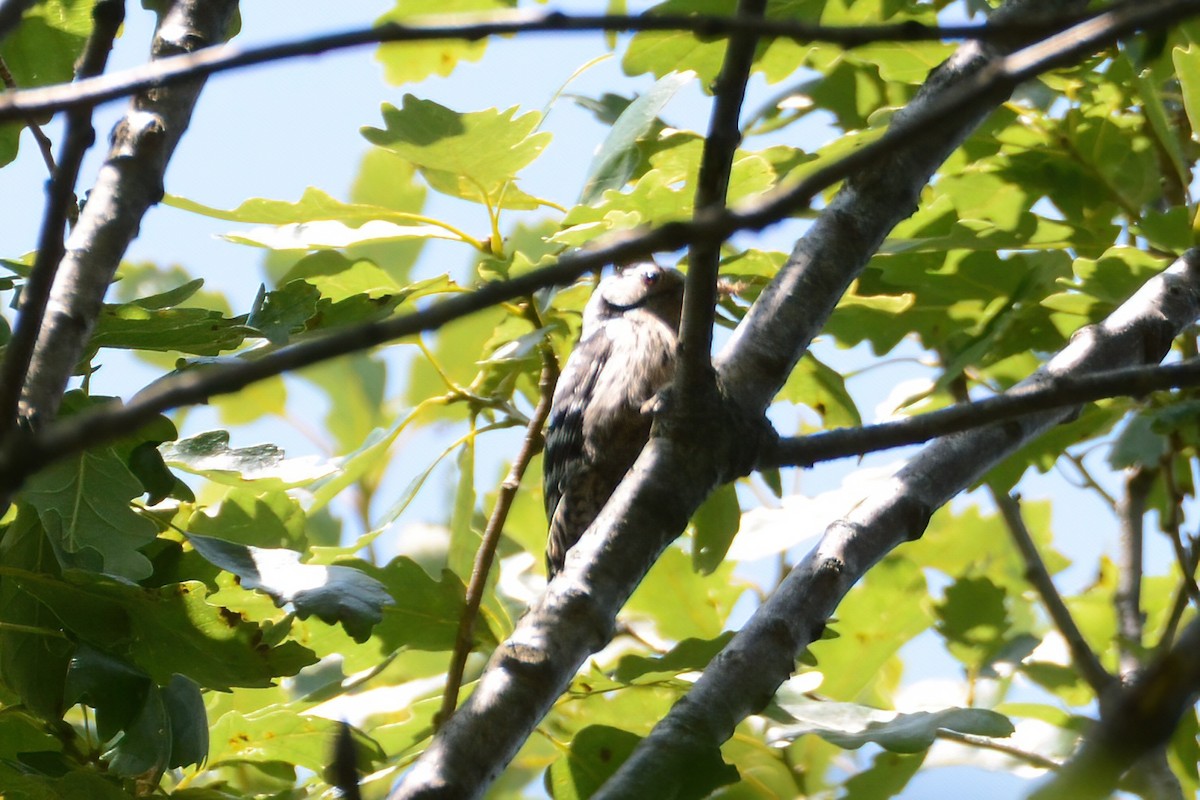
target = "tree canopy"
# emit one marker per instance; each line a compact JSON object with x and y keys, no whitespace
{"x":995,"y":204}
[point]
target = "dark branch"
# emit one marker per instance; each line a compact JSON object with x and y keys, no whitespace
{"x":1057,"y":392}
{"x":1084,"y":658}
{"x":695,"y":372}
{"x":203,"y":64}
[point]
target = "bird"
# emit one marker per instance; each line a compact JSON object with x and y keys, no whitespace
{"x":600,"y":411}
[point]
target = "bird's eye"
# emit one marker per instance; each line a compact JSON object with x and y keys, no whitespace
{"x":650,"y":278}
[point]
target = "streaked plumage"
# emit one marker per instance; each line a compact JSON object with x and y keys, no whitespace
{"x":598,"y":420}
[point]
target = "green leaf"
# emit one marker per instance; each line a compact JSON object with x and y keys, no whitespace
{"x":876,"y":618}
{"x":285,"y":311}
{"x":334,"y":594}
{"x":715,"y":524}
{"x":598,"y":750}
{"x":83,"y":504}
{"x":108,"y":684}
{"x":426,"y":613}
{"x":189,"y":721}
{"x":465,"y":538}
{"x":412,"y":62}
{"x":168,"y":630}
{"x":281,"y":735}
{"x":690,"y":655}
{"x":682,"y":603}
{"x":195,"y":331}
{"x":973,"y":619}
{"x":33,"y":656}
{"x":887,"y":776}
{"x":475,"y":156}
{"x":144,"y":747}
{"x":264,"y":465}
{"x":615,"y":161}
{"x":249,"y":517}
{"x":850,"y":726}
{"x":822,"y":389}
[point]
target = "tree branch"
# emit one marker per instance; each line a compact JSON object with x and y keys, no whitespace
{"x":128,"y":184}
{"x":1127,"y":600}
{"x":682,"y":464}
{"x":906,"y":130}
{"x":1056,"y":392}
{"x":1141,"y":723}
{"x":958,"y":95}
{"x":1084,"y":658}
{"x":43,"y":141}
{"x":530,"y":446}
{"x":694,"y":377}
{"x":203,"y":64}
{"x":78,"y":137}
{"x":744,"y":676}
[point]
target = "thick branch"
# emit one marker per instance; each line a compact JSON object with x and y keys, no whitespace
{"x":203,"y":64}
{"x":128,"y":184}
{"x":743,"y":677}
{"x":79,"y":135}
{"x":695,"y":372}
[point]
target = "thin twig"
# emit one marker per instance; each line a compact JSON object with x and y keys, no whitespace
{"x":203,"y":64}
{"x":45,"y":147}
{"x":1171,"y":523}
{"x":61,"y":207}
{"x":486,"y":553}
{"x":1085,"y":660}
{"x":1127,"y":600}
{"x":988,"y":743}
{"x":1088,"y":481}
{"x":695,"y":375}
{"x":1180,"y":603}
{"x":1054,"y":392}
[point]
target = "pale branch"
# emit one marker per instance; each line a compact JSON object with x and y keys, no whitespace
{"x":60,"y":209}
{"x":695,"y":372}
{"x":1143,"y":718}
{"x":684,"y":461}
{"x":531,"y":445}
{"x":202,"y":64}
{"x":998,"y":746}
{"x":1057,"y":392}
{"x":129,"y":182}
{"x":1098,"y":678}
{"x":745,"y":675}
{"x":957,"y":96}
{"x":1127,"y":600}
